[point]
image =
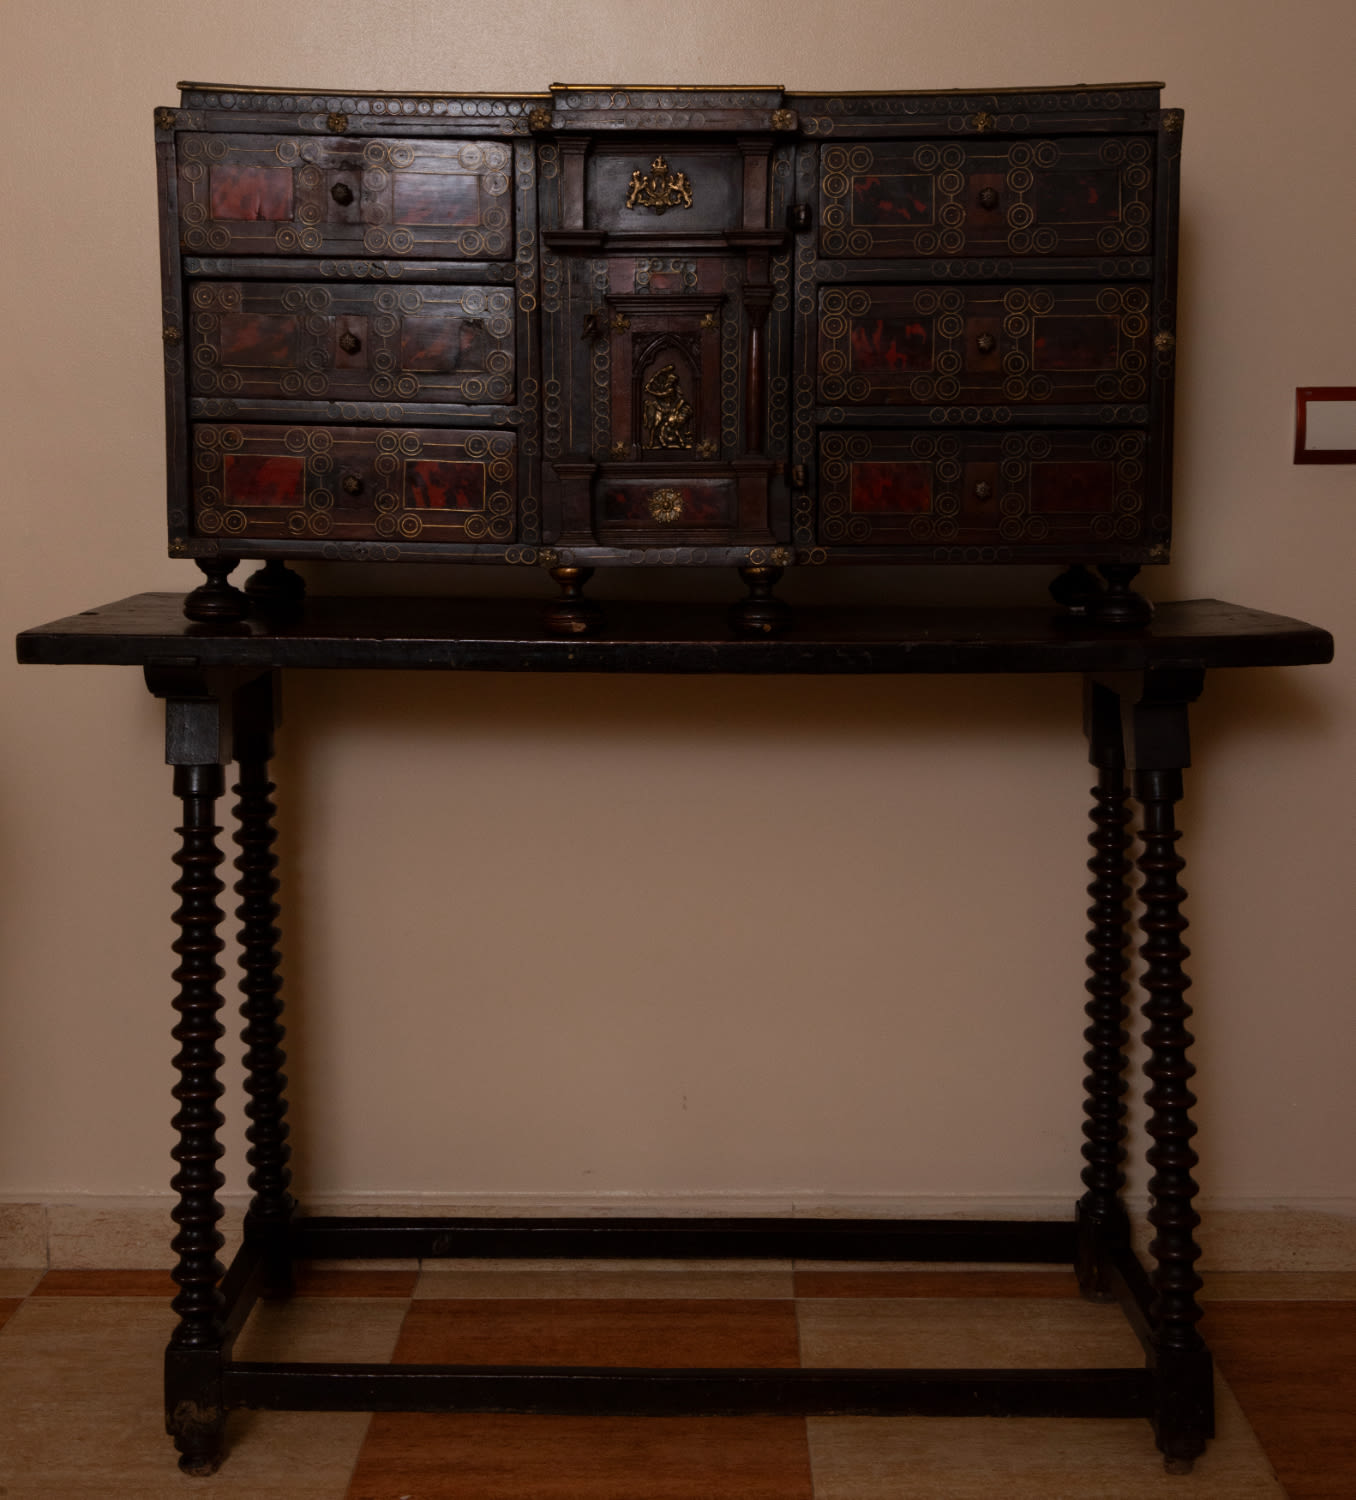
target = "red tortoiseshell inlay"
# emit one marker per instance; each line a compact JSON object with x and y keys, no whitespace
{"x":1078,"y":343}
{"x":1078,"y":197}
{"x":1086,"y":487}
{"x":442,"y":344}
{"x":251,"y":193}
{"x":435,"y":198}
{"x":891,"y":486}
{"x":892,"y":200}
{"x":254,"y":340}
{"x":891,"y":345}
{"x":253,"y":479}
{"x":444,"y":484}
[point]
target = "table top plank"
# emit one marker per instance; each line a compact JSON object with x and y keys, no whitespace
{"x":506,"y":635}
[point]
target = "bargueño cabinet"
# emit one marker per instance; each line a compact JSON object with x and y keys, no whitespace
{"x":605,"y":326}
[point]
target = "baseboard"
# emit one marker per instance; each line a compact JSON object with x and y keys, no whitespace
{"x":1235,"y":1235}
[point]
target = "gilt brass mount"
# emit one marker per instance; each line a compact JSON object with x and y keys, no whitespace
{"x":660,"y":188}
{"x":666,"y":506}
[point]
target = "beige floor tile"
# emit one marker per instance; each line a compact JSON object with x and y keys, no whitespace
{"x":605,"y":1279}
{"x":946,"y":1333}
{"x":1018,"y":1458}
{"x":18,"y":1283}
{"x":82,"y":1415}
{"x":1279,"y":1286}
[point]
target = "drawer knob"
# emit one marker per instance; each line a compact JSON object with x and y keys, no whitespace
{"x":986,"y":343}
{"x":983,"y":490}
{"x":350,"y":343}
{"x":352,"y":484}
{"x":988,"y":198}
{"x":342,"y":193}
{"x":666,"y":506}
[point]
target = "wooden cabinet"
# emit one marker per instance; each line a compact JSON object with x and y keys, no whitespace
{"x":599,"y":326}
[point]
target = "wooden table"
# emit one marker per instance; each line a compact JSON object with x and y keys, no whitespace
{"x":219,"y":684}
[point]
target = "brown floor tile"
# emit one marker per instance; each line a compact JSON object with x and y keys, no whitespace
{"x":582,"y":1458}
{"x":583,"y":1331}
{"x":106,"y":1284}
{"x":943,"y":1333}
{"x":1293,"y":1367}
{"x":1019,"y":1458}
{"x":8,"y":1307}
{"x":936,"y":1284}
{"x":317,"y":1281}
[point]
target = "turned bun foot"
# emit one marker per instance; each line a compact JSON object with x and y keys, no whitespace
{"x":275,"y":589}
{"x":216,"y":599}
{"x":760,"y":614}
{"x":572,"y":613}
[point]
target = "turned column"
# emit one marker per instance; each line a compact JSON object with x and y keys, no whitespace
{"x":196,"y":730}
{"x":1184,"y":1407}
{"x":1103,"y":1228}
{"x":271,"y":1208}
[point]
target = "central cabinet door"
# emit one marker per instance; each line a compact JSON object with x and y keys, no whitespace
{"x":656,"y":346}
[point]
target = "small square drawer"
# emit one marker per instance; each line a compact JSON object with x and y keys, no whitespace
{"x":934,"y":346}
{"x":1067,"y":196}
{"x":349,"y":341}
{"x":305,"y":195}
{"x":354,"y":483}
{"x":1018,"y":490}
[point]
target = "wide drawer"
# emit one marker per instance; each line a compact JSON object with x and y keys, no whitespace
{"x":1038,"y":489}
{"x":351,"y":342}
{"x":265,"y":195}
{"x":1068,"y":196}
{"x":927,"y":346}
{"x":441,"y":484}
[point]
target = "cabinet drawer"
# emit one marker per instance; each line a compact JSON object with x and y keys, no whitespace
{"x":668,"y":508}
{"x":1067,"y":196}
{"x":265,"y":195}
{"x":349,"y":341}
{"x":1018,"y":490}
{"x":926,"y":346}
{"x":445,"y":485}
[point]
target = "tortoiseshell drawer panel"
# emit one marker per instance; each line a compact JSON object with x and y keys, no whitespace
{"x":350,"y":341}
{"x":929,"y":346}
{"x":1015,"y":489}
{"x":1067,"y":196}
{"x":354,"y":483}
{"x":265,"y":195}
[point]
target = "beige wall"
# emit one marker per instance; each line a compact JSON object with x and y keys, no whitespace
{"x":782,"y":938}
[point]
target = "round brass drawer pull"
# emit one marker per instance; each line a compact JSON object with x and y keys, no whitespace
{"x":666,"y":506}
{"x":352,"y":484}
{"x":342,"y":193}
{"x":986,"y":343}
{"x":983,"y":490}
{"x":988,"y":198}
{"x":350,"y":343}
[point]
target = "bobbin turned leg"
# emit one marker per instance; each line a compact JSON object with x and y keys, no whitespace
{"x":1103,"y":1228}
{"x":1184,"y":1417}
{"x":271,"y":1208}
{"x":195,"y":1414}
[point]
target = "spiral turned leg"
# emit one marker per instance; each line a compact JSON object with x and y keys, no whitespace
{"x":1182,"y":1361}
{"x":195,"y":1415}
{"x":265,"y":1083}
